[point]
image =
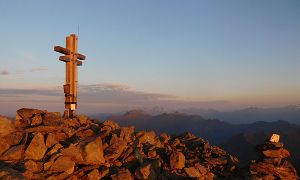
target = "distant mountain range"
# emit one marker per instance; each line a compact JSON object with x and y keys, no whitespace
{"x":252,"y":114}
{"x":238,"y":139}
{"x":249,"y":115}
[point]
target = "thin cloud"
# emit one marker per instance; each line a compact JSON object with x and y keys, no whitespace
{"x":104,"y":86}
{"x":4,"y":72}
{"x":38,"y":69}
{"x":108,"y":96}
{"x":117,"y":94}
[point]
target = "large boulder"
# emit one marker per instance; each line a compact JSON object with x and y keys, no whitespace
{"x":28,"y":112}
{"x":51,"y":140}
{"x":33,"y":166}
{"x":93,"y":151}
{"x":52,"y":119}
{"x":177,"y":160}
{"x":37,"y":148}
{"x":63,"y":164}
{"x":14,"y":154}
{"x":276,"y":153}
{"x":74,"y":153}
{"x":24,"y":115}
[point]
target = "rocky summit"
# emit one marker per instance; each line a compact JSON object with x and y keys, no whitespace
{"x":43,"y":145}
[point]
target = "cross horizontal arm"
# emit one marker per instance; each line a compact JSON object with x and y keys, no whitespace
{"x":62,"y":50}
{"x":68,"y":52}
{"x":65,"y":58}
{"x":80,"y":56}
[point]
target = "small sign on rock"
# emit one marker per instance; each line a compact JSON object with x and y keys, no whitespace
{"x":275,"y":138}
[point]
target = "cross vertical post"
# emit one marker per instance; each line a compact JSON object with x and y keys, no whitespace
{"x":71,"y":57}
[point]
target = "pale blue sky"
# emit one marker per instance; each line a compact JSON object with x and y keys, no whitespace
{"x":246,"y":53}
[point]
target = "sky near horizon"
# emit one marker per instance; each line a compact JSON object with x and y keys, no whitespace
{"x":172,"y":54}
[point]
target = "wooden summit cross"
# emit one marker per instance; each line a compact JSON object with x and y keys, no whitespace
{"x":71,"y":57}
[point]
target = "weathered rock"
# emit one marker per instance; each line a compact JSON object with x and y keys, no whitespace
{"x":33,"y":166}
{"x":52,"y":119}
{"x":74,"y":153}
{"x":287,"y":171}
{"x":44,"y":129}
{"x":192,"y":172}
{"x":9,"y":140}
{"x":202,"y":170}
{"x":111,"y":124}
{"x":36,"y":120}
{"x":152,"y":154}
{"x":216,"y":161}
{"x":37,"y":148}
{"x":117,"y":163}
{"x":9,"y":173}
{"x":63,"y":175}
{"x":276,"y":153}
{"x":6,"y":126}
{"x":93,"y":152}
{"x":31,"y":175}
{"x":263,"y":168}
{"x":122,"y":175}
{"x":71,"y":123}
{"x":83,"y":120}
{"x":50,"y":140}
{"x":146,"y":171}
{"x":177,"y":160}
{"x":84,"y":170}
{"x":115,"y":149}
{"x":85,"y":133}
{"x":54,"y":149}
{"x":127,"y":133}
{"x":25,"y":113}
{"x":63,"y":164}
{"x":175,"y":142}
{"x":4,"y":146}
{"x":144,"y":137}
{"x":47,"y":165}
{"x":14,"y":138}
{"x":61,"y":136}
{"x":93,"y":175}
{"x":269,"y":145}
{"x":164,"y":137}
{"x":15,"y":153}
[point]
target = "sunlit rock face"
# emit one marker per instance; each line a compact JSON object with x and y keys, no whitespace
{"x":42,"y":145}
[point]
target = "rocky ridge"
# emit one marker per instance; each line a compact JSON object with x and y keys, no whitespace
{"x":42,"y":145}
